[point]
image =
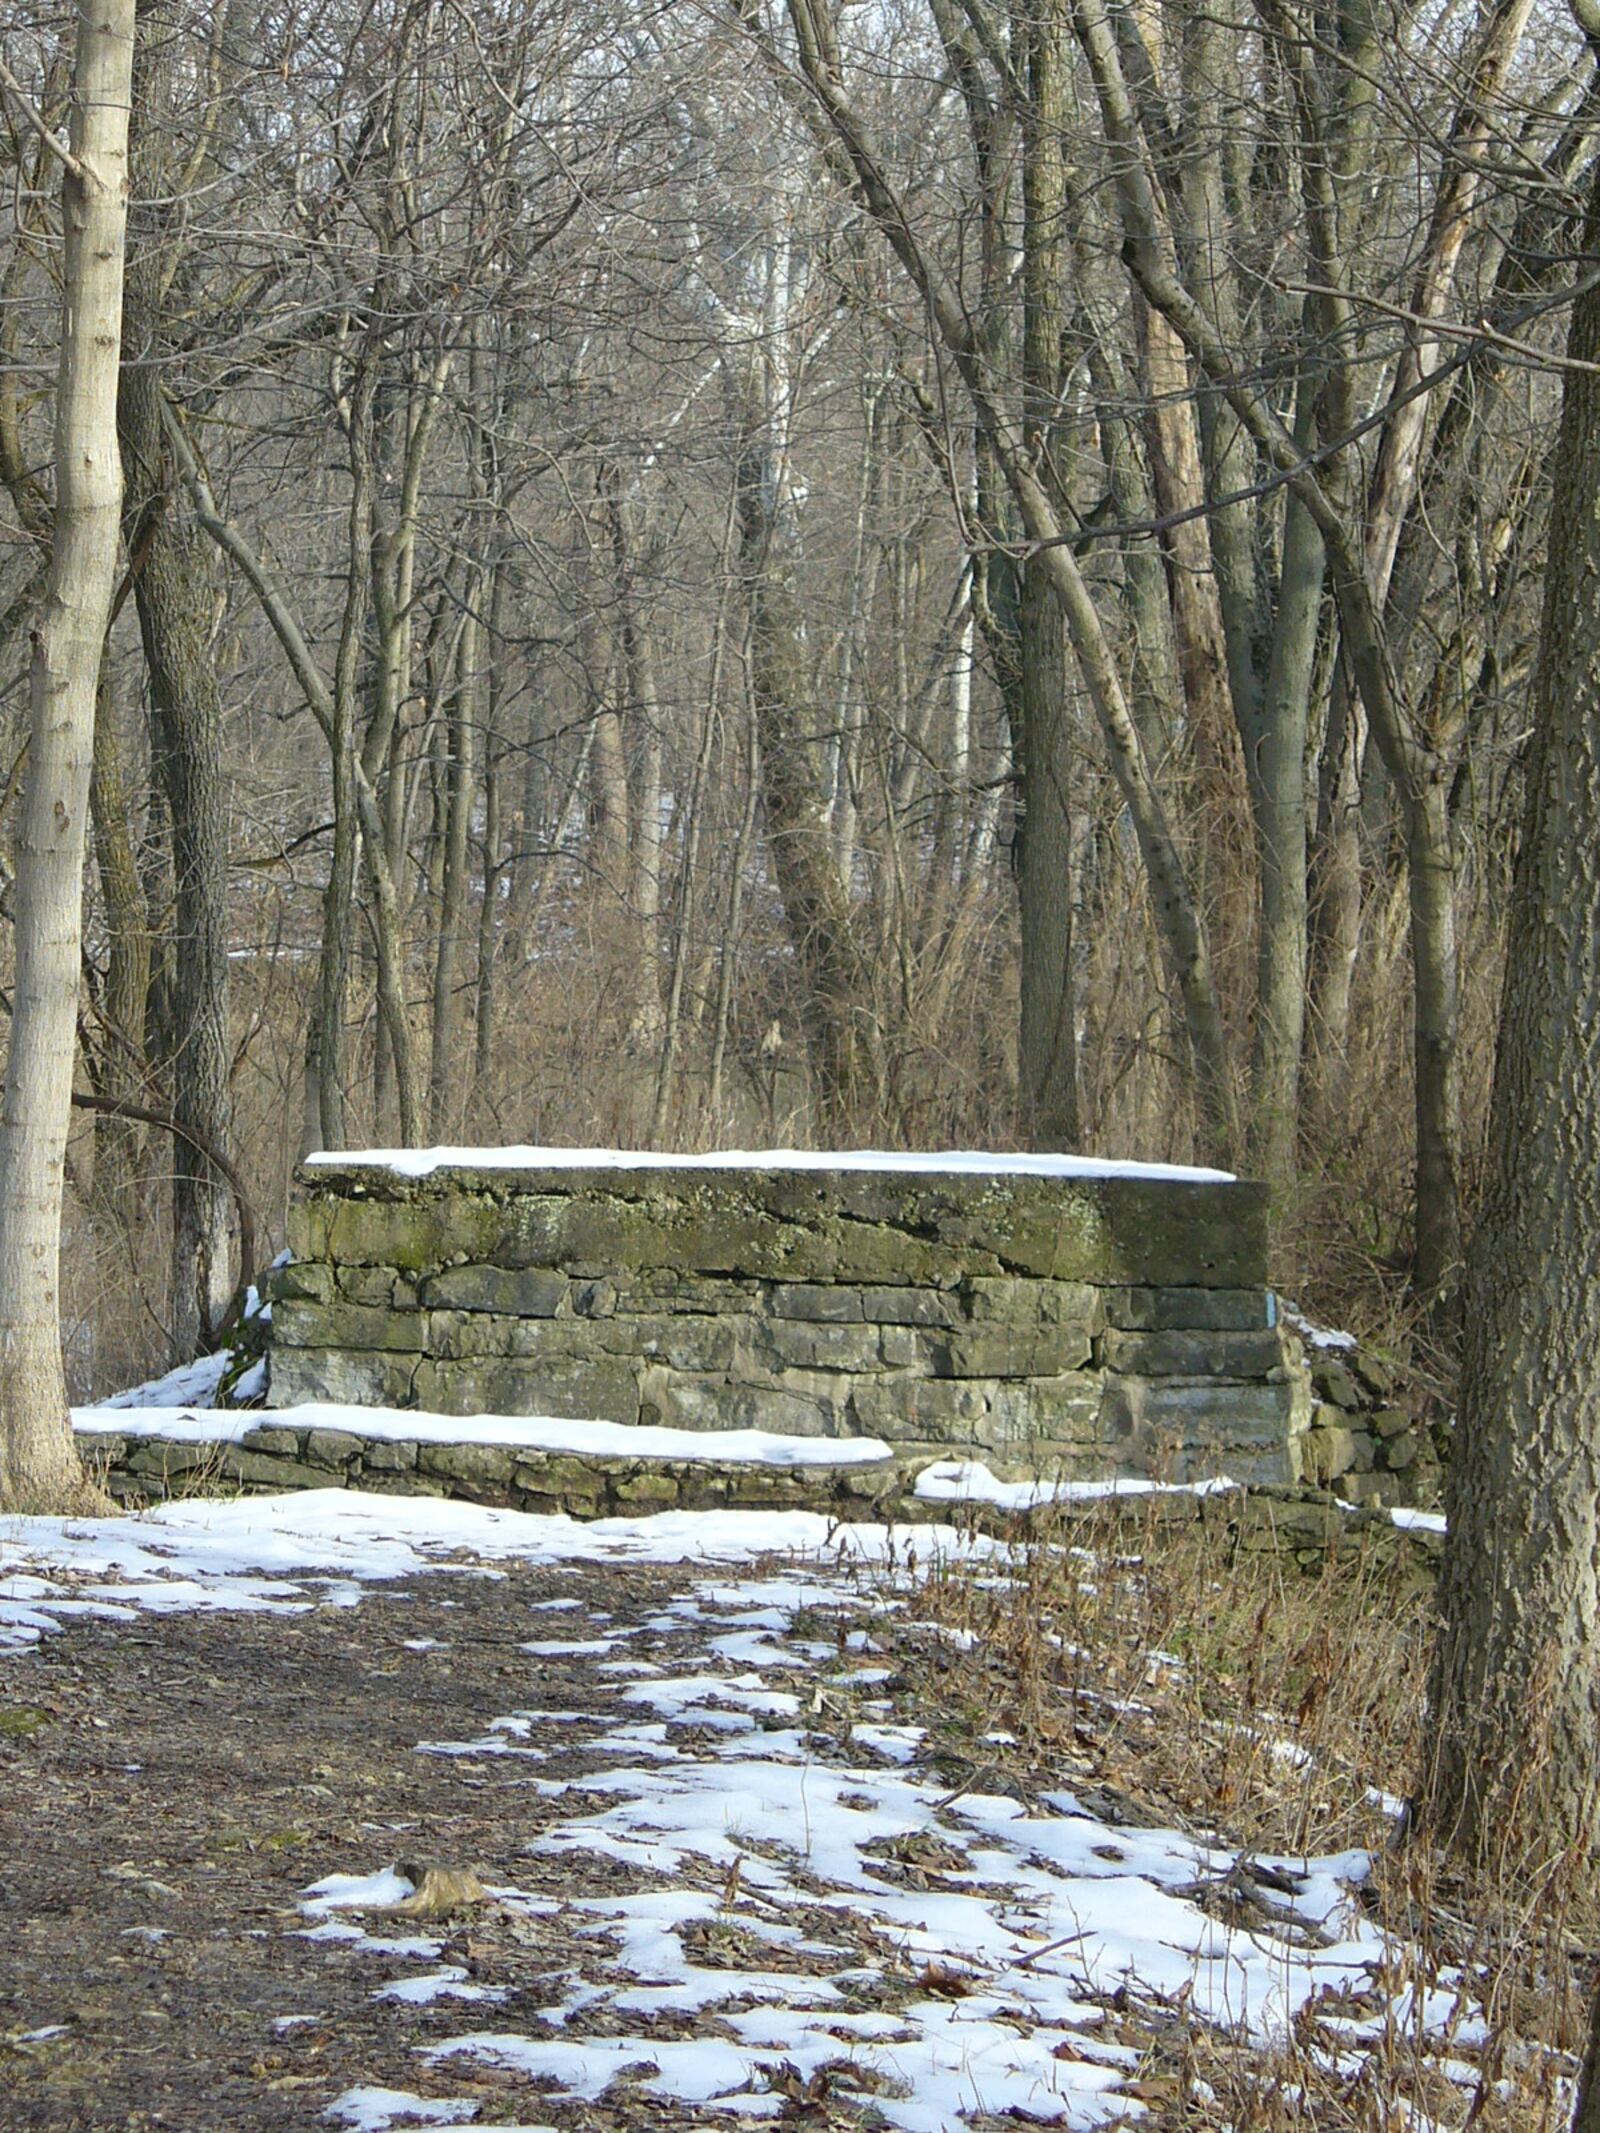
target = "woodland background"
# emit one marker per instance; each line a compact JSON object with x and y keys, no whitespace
{"x":610,"y":649}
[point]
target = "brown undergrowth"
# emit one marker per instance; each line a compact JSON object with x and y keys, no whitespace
{"x":1165,"y":1675}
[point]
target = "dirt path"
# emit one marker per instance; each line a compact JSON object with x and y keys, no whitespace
{"x":744,"y":1858}
{"x":169,"y":1790}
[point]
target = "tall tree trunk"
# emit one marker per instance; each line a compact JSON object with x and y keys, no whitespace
{"x":1048,"y":1047}
{"x":175,"y":590}
{"x":816,"y":900}
{"x":448,"y":1067}
{"x":683,"y":947}
{"x":732,"y":931}
{"x":38,"y":1466}
{"x":1515,"y":1695}
{"x":339,"y":893}
{"x":1278,"y":797}
{"x":1335,"y":914}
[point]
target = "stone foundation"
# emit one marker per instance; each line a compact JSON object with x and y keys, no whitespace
{"x":283,"y":1452}
{"x":1306,"y":1526}
{"x":1082,"y":1322}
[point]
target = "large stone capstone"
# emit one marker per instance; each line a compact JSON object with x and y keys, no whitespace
{"x":1040,"y":1313}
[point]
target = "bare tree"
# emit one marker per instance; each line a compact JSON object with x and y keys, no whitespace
{"x":38,"y":1466}
{"x":1514,"y":1762}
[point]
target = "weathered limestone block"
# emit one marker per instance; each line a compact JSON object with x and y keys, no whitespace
{"x":345,"y":1379}
{"x":462,"y":1336}
{"x":942,"y":1411}
{"x":403,"y":1484}
{"x":1325,"y":1454}
{"x":1334,"y":1383}
{"x":1060,"y":1412}
{"x":891,"y":1305}
{"x":1010,"y":1302}
{"x":801,"y":1345}
{"x":568,"y":1481}
{"x":604,"y":1389}
{"x":310,"y":1278}
{"x":388,"y":1455}
{"x":800,"y":1404}
{"x":1194,"y":1355}
{"x":481,"y":1472}
{"x":827,"y":1301}
{"x":1017,"y":1351}
{"x":166,"y":1456}
{"x":1178,"y":1310}
{"x":651,"y":1289}
{"x":272,"y":1437}
{"x":920,"y":1348}
{"x":262,"y":1471}
{"x":509,"y":1292}
{"x":647,"y":1488}
{"x":684,"y":1341}
{"x":411,"y":1235}
{"x":1198,"y":1414}
{"x":332,"y":1448}
{"x":373,"y":1285}
{"x":299,"y":1323}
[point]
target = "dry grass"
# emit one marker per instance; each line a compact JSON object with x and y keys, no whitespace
{"x":1160,"y":1676}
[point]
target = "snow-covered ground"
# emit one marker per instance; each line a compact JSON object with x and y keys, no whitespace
{"x":992,"y":1979}
{"x":295,"y":1550}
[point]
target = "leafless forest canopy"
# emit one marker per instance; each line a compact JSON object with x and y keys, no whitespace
{"x":746,"y":571}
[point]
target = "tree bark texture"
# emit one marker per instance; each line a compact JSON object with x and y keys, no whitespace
{"x":1515,"y":1695}
{"x":1048,"y":1047}
{"x":38,"y":1465}
{"x":175,"y":591}
{"x":840,"y":1028}
{"x":123,"y":1069}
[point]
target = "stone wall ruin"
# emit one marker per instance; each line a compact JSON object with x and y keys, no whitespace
{"x":1039,"y":1314}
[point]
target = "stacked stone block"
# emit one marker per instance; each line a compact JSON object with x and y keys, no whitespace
{"x":1360,"y":1441}
{"x":276,"y":1455}
{"x":1080,"y":1325}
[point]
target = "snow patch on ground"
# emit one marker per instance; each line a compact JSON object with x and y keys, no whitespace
{"x":270,"y":1553}
{"x":423,"y":1162}
{"x":968,"y":1481}
{"x":1410,"y":1520}
{"x":191,"y":1384}
{"x":994,"y":1961}
{"x":371,"y":2110}
{"x":1328,"y":1338}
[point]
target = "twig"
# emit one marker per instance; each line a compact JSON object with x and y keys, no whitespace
{"x":35,"y":119}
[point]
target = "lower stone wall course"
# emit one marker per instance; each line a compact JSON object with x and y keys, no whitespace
{"x":1303,"y":1524}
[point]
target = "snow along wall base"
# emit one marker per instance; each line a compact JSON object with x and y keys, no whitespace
{"x":1044,"y":1314}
